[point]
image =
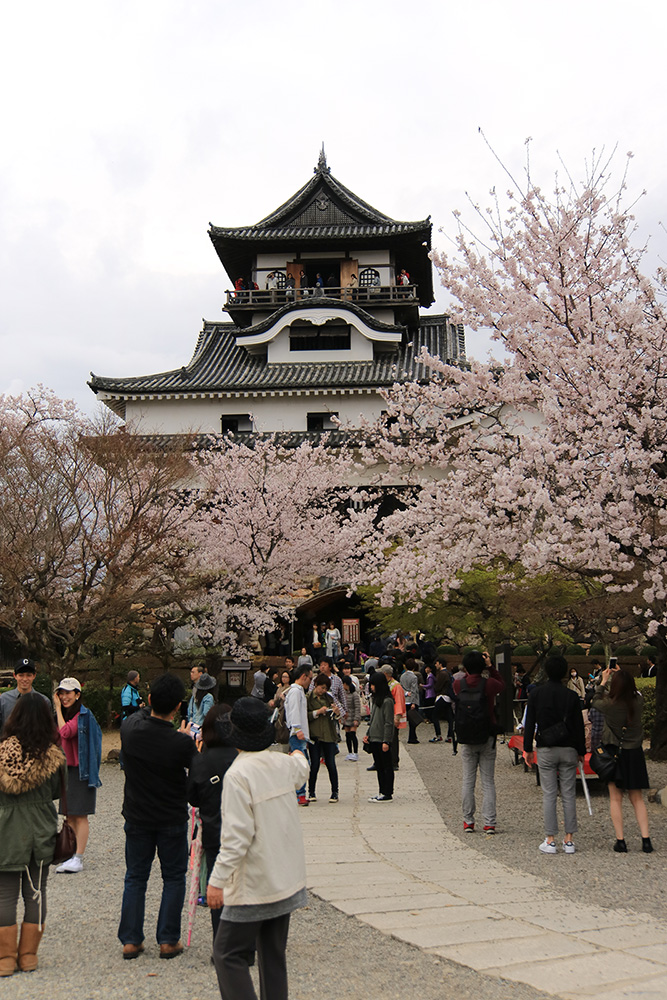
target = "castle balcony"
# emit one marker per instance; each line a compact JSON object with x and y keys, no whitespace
{"x":249,"y":300}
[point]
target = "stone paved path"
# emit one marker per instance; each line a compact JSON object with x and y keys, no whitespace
{"x":397,"y":867}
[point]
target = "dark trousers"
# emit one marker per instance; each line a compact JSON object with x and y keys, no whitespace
{"x":352,"y":741}
{"x":211,"y":855}
{"x":394,"y":749}
{"x":384,"y":768}
{"x":235,"y":942}
{"x":141,"y":843}
{"x":328,"y":751}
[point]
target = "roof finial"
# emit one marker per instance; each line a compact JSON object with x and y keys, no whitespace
{"x":322,"y":167}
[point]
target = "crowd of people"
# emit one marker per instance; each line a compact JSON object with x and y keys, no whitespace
{"x":222,"y":762}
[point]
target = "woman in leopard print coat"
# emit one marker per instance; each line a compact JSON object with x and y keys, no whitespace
{"x":31,"y":764}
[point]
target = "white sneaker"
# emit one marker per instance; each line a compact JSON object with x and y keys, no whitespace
{"x":568,"y":847}
{"x":548,"y":847}
{"x":73,"y":865}
{"x":353,"y":756}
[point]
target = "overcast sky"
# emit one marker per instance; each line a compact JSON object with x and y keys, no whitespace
{"x":128,"y":126}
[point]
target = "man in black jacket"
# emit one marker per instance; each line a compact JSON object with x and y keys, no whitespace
{"x":155,"y":806}
{"x":561,"y":742}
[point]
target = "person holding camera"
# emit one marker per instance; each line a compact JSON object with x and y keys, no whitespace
{"x":323,"y":715}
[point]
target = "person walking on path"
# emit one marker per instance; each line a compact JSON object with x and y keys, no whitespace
{"x":130,"y":699}
{"x":155,"y":806}
{"x":353,"y":717}
{"x":561,"y":742}
{"x":410,"y":683}
{"x":476,"y":729}
{"x":618,"y":699}
{"x":400,"y":719}
{"x":257,"y":895}
{"x":81,"y":739}
{"x":296,"y":719}
{"x":205,"y":782}
{"x":323,"y":714}
{"x":380,"y":734}
{"x":32,"y":768}
{"x":25,"y":672}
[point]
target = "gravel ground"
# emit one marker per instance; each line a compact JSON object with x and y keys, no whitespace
{"x":331,"y":956}
{"x":595,"y":874}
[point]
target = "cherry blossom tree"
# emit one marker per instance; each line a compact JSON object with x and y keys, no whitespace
{"x":92,"y":530}
{"x":556,"y":458}
{"x":267,"y":518}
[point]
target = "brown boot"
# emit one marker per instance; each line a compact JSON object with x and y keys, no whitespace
{"x":31,"y":935}
{"x":8,"y":950}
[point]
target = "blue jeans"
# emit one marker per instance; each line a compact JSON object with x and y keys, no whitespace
{"x":297,"y":744}
{"x":171,"y":843}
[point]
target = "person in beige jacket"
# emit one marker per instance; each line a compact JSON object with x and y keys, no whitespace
{"x":257,"y":896}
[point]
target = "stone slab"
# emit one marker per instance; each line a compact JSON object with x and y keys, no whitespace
{"x":559,"y":914}
{"x":387,"y":904}
{"x":477,"y":931}
{"x":583,"y":974}
{"x":654,"y":952}
{"x":654,"y":988}
{"x":451,"y":914}
{"x":500,"y":954}
{"x":626,"y":936}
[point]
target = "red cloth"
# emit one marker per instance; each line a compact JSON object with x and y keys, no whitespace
{"x":69,"y":735}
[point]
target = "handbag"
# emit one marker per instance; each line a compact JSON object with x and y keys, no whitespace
{"x":605,"y":761}
{"x":414,"y":715}
{"x":65,"y":846}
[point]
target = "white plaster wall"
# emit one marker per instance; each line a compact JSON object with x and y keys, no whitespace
{"x":361,"y":349}
{"x":270,"y":413}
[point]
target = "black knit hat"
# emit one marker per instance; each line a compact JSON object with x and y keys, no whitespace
{"x":248,"y":726}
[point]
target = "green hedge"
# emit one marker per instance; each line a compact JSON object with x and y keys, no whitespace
{"x":104,"y":704}
{"x":575,"y":650}
{"x":525,"y":650}
{"x":647,"y":687}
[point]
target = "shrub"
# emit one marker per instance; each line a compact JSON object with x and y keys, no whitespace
{"x":649,"y":651}
{"x":525,"y":650}
{"x":43,"y":684}
{"x":625,"y":650}
{"x":575,"y":650}
{"x":104,"y":704}
{"x":647,"y":687}
{"x":448,"y":650}
{"x":597,"y":649}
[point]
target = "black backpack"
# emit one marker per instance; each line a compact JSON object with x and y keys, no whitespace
{"x":472,"y":719}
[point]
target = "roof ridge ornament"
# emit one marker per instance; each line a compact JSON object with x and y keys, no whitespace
{"x":322,"y":167}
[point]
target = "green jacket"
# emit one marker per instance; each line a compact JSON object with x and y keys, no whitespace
{"x":28,"y":817}
{"x":323,"y":727}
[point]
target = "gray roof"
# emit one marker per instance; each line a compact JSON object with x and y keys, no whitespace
{"x":219,"y":364}
{"x":324,"y":214}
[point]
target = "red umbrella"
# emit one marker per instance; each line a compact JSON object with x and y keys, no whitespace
{"x":195,"y":868}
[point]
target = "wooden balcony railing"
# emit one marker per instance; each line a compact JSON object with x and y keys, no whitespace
{"x":374,"y":295}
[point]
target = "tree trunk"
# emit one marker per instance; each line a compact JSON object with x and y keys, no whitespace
{"x":658,"y":749}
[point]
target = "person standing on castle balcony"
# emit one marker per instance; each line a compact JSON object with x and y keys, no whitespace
{"x":303,"y":284}
{"x":290,"y":285}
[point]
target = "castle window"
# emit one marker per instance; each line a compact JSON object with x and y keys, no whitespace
{"x":317,"y":422}
{"x":369,"y":277}
{"x":235,"y":423}
{"x":330,"y":337}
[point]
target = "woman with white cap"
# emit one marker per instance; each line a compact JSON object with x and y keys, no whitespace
{"x":81,"y":739}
